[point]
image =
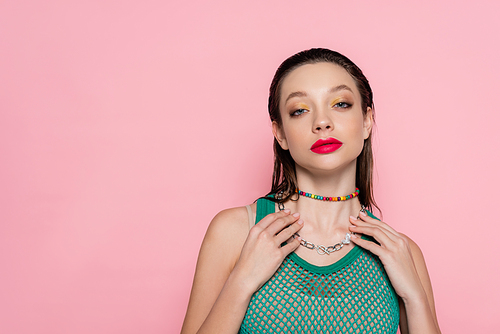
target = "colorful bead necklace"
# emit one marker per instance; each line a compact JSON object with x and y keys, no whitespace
{"x":328,"y":199}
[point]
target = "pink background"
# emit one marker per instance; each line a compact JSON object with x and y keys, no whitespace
{"x":125,"y":126}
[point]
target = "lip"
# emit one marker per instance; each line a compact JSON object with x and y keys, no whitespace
{"x":324,"y":146}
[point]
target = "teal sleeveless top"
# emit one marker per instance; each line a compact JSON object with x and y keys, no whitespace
{"x":352,"y":295}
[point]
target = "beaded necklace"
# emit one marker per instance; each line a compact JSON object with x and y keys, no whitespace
{"x":328,"y":199}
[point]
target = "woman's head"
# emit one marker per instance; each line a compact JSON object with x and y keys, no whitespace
{"x":284,"y":177}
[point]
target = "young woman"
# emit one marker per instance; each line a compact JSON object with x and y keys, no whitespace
{"x":310,"y":257}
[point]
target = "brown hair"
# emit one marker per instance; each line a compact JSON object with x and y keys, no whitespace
{"x":284,"y":177}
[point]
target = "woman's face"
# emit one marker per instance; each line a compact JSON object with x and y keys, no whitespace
{"x":323,"y":123}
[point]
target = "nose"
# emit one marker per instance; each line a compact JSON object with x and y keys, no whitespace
{"x":322,"y":121}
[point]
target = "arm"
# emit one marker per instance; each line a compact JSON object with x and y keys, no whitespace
{"x":218,"y":254}
{"x":406,"y":269}
{"x":233,"y":263}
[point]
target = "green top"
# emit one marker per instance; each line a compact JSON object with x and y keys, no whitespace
{"x":352,"y":295}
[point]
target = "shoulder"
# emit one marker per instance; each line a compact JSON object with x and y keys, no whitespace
{"x":227,"y":233}
{"x":416,"y":252}
{"x":229,"y":222}
{"x":228,"y":216}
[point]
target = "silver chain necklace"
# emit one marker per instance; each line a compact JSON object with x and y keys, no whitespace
{"x":322,"y":250}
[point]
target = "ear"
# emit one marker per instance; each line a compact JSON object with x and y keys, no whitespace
{"x":368,"y":123}
{"x":279,"y":135}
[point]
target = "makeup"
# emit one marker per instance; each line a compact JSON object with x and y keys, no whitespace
{"x":342,"y":101}
{"x":334,"y":102}
{"x":300,"y":107}
{"x":324,"y":146}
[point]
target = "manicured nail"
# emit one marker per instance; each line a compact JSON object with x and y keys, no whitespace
{"x":300,"y":222}
{"x":286,"y":211}
{"x":362,"y":214}
{"x":353,"y":218}
{"x":353,"y":236}
{"x":296,"y":214}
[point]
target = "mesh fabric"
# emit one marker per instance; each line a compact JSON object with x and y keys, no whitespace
{"x":352,"y":295}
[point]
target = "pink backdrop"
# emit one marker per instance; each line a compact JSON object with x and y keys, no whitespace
{"x":125,"y":126}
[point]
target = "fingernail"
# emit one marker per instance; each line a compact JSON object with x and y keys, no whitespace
{"x":296,"y":214}
{"x":361,"y":213}
{"x":300,"y":222}
{"x":353,"y":236}
{"x":286,"y":211}
{"x":353,"y":218}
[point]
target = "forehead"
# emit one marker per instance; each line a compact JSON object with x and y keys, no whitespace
{"x":316,"y":78}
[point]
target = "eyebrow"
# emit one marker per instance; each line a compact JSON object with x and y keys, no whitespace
{"x":332,"y":90}
{"x":295,"y":94}
{"x":340,"y":87}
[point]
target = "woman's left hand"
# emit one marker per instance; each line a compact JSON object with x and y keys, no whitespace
{"x":394,"y":252}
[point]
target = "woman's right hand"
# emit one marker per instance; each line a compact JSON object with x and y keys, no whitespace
{"x":262,"y":252}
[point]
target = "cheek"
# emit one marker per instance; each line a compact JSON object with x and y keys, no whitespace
{"x":354,"y":125}
{"x":357,"y":134}
{"x":292,"y":138}
{"x":295,"y":140}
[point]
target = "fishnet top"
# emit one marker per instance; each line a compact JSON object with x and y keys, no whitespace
{"x":352,"y":295}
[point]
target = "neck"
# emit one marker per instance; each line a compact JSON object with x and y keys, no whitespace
{"x":340,"y":182}
{"x":323,"y":216}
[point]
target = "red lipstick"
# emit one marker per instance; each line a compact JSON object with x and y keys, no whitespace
{"x":324,"y":146}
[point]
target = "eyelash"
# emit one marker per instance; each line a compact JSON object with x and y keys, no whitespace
{"x":294,"y":113}
{"x":346,"y":105}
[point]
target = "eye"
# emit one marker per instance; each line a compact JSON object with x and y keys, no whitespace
{"x":298,"y":112}
{"x":342,"y":105}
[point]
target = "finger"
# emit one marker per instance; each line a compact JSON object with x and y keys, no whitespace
{"x":281,"y":223}
{"x":368,"y":221}
{"x":366,"y":218}
{"x":288,"y":232}
{"x":360,"y":224}
{"x":291,"y":246}
{"x":270,"y":218}
{"x":368,"y":245}
{"x":381,"y":235}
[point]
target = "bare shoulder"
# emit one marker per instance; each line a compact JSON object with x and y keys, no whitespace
{"x":229,"y":226}
{"x":225,"y":237}
{"x":418,"y":258}
{"x":416,"y":252}
{"x":230,"y":219}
